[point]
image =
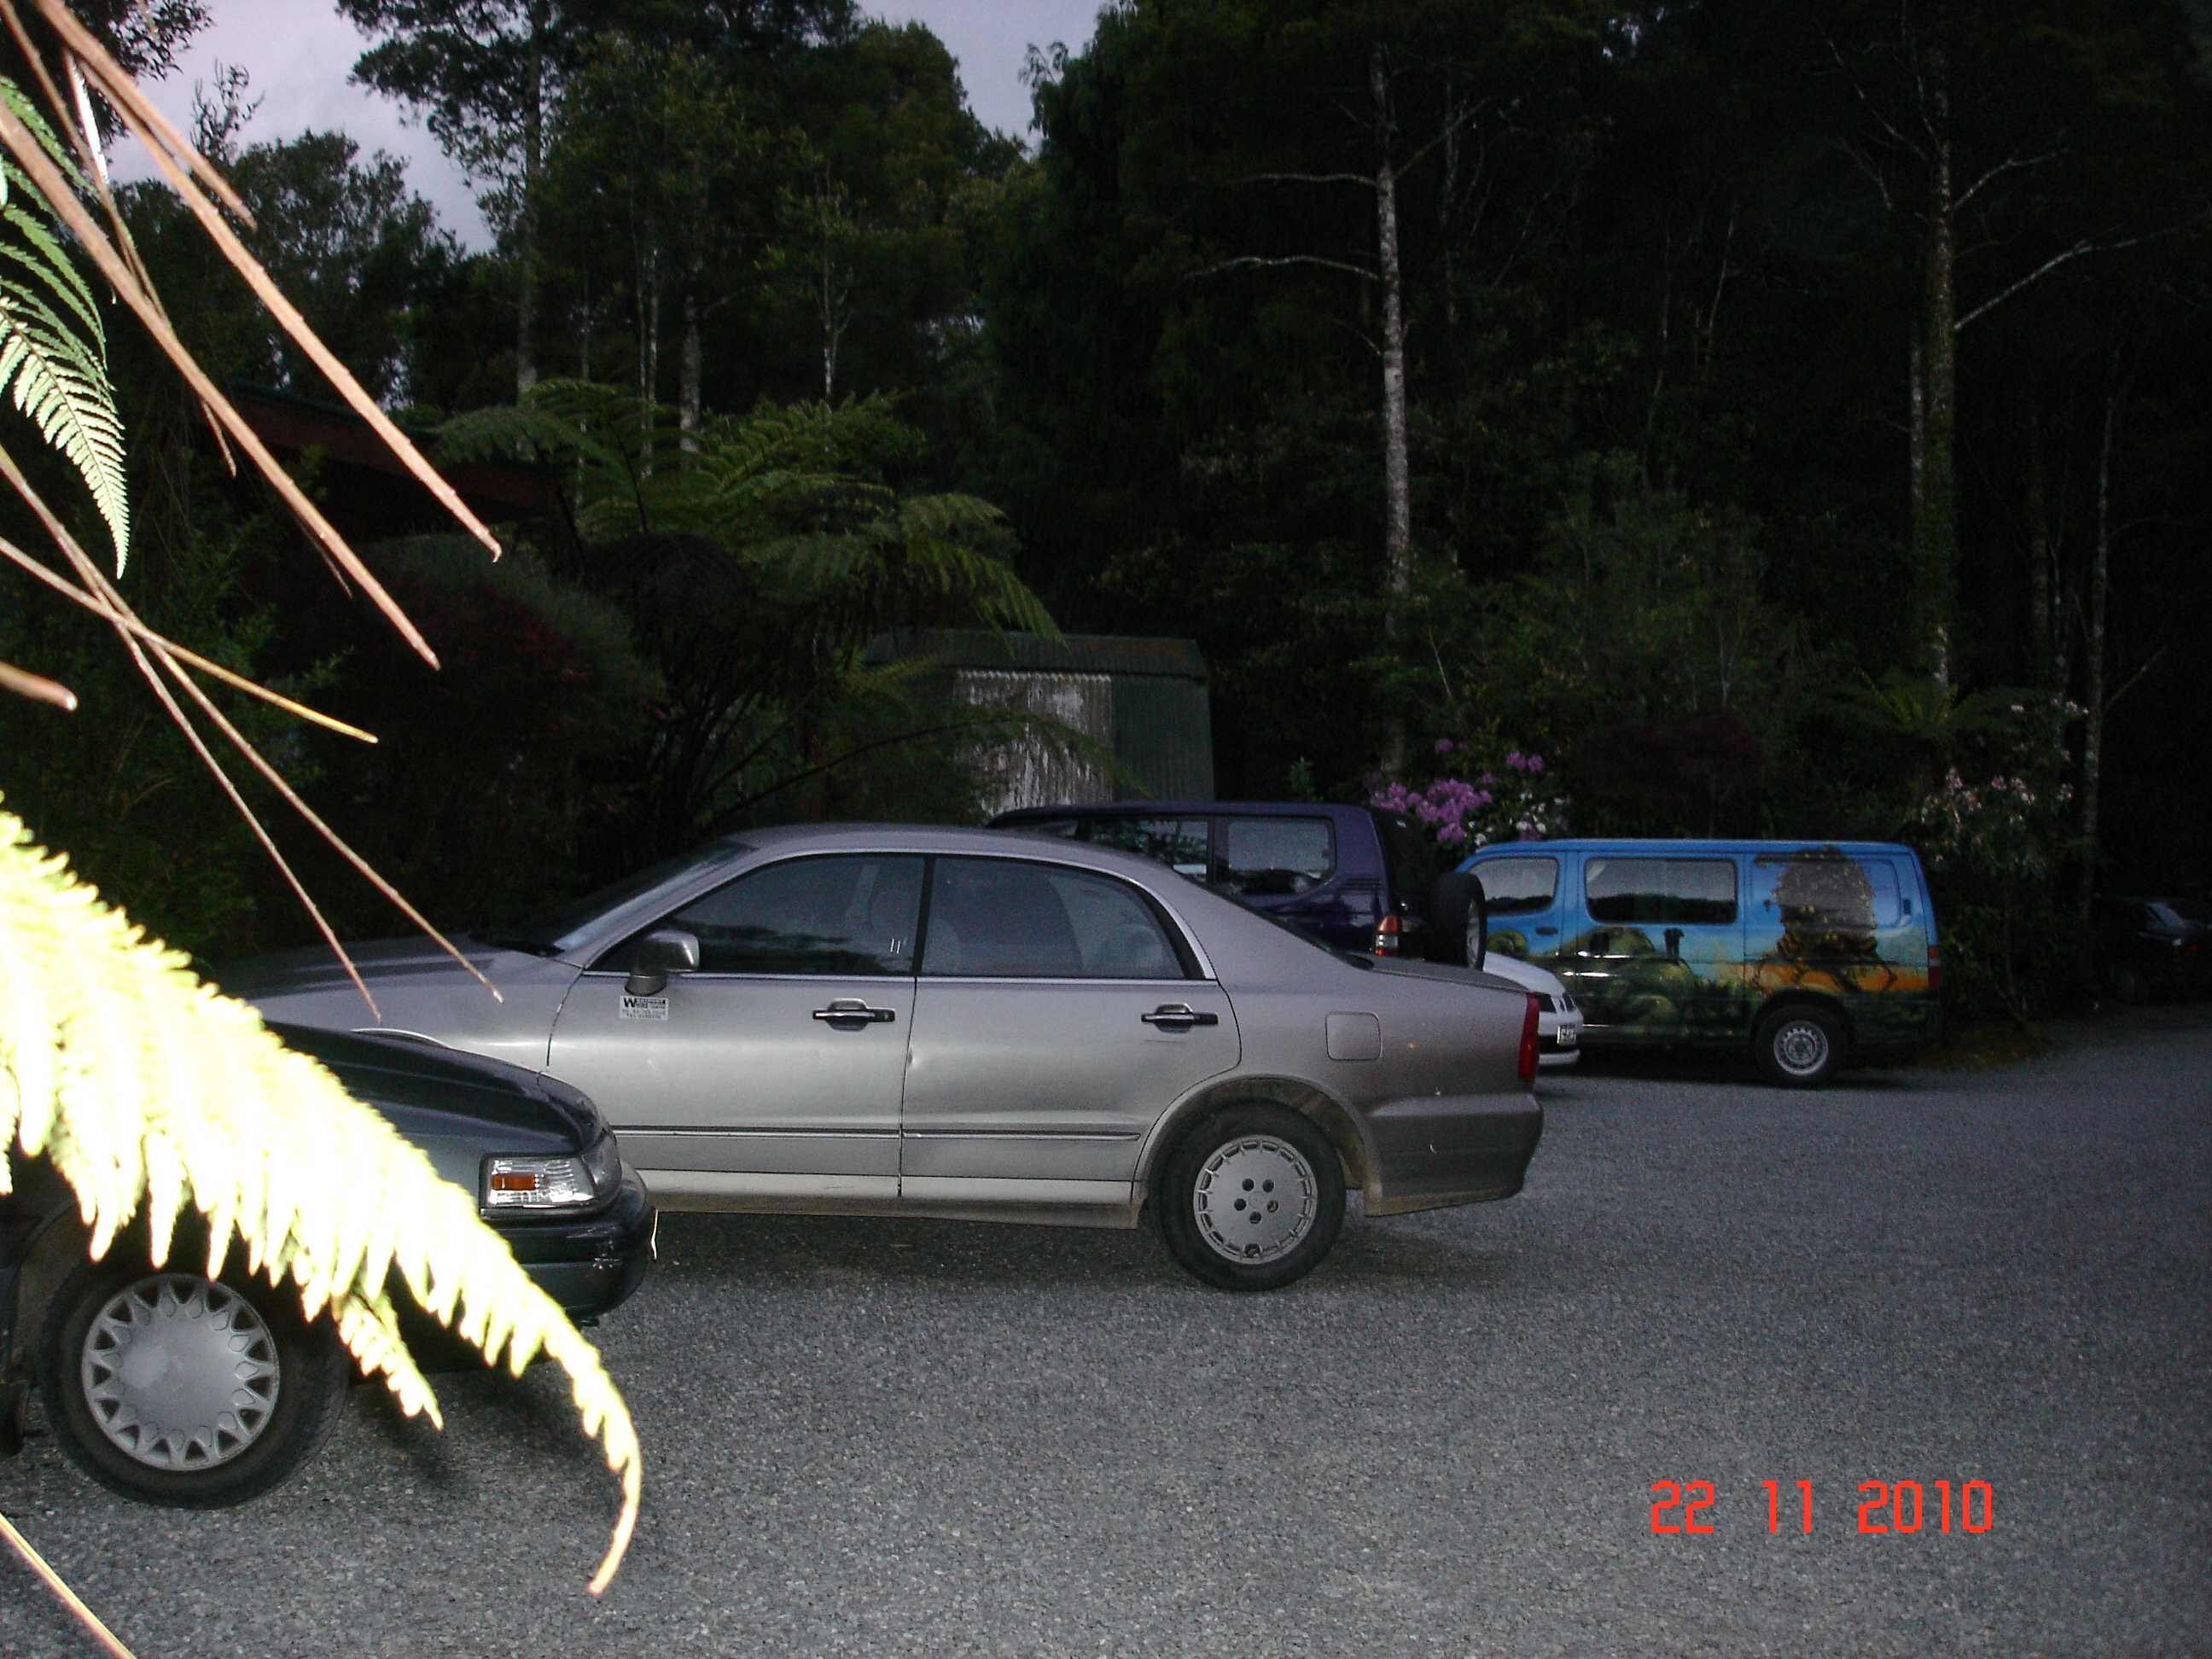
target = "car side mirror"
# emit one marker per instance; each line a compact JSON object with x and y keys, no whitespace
{"x":663,"y":952}
{"x":1459,"y":921}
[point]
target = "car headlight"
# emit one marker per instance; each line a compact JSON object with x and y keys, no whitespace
{"x":552,"y":1183}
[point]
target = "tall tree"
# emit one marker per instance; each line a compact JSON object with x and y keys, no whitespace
{"x":1971,"y":122}
{"x":483,"y":74}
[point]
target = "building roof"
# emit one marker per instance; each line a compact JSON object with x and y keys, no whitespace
{"x":1118,"y":654}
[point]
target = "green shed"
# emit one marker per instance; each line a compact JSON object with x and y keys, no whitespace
{"x":1143,"y":700}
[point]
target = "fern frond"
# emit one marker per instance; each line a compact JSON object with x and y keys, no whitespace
{"x":55,"y":377}
{"x":148,"y":1092}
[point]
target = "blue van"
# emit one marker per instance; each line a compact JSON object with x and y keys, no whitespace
{"x":1808,"y":952}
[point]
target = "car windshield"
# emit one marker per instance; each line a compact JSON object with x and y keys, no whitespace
{"x":2176,"y":912}
{"x":551,"y":932}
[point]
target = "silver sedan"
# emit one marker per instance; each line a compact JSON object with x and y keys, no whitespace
{"x":902,"y":1021}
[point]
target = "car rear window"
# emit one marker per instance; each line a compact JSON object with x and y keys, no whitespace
{"x":1179,"y":844}
{"x":1270,"y":857}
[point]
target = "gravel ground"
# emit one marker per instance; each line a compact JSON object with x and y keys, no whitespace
{"x":873,"y":1438}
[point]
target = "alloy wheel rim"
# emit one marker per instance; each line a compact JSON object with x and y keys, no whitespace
{"x":1255,"y":1199}
{"x":1801,"y":1047}
{"x":181,"y":1372}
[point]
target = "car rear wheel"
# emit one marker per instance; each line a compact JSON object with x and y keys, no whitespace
{"x":1252,"y":1198}
{"x":1799,"y":1045}
{"x":178,"y":1389}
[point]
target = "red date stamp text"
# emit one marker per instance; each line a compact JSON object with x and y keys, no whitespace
{"x":1885,"y":1506}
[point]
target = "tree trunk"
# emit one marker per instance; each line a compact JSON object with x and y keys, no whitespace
{"x":2092,"y":689}
{"x":533,"y":146}
{"x":2043,"y":659}
{"x":1931,"y":588}
{"x":691,"y":365}
{"x":1397,"y":482}
{"x":648,"y":345}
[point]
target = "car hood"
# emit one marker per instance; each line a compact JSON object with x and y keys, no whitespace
{"x":420,"y":991}
{"x":385,"y":962}
{"x":427,"y":1090}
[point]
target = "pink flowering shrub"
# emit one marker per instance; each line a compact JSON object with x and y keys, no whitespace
{"x":1470,"y":802}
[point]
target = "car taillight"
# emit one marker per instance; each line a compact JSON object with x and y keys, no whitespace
{"x":1387,"y":936}
{"x":1528,"y":1042}
{"x":1935,"y":969}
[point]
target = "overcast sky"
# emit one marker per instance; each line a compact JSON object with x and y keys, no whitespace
{"x":298,"y":53}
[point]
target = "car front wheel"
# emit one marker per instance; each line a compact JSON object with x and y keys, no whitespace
{"x":1799,"y":1046}
{"x":178,"y":1389}
{"x":1252,"y":1198}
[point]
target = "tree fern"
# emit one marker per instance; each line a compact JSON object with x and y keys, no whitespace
{"x":55,"y":368}
{"x":149,"y":1092}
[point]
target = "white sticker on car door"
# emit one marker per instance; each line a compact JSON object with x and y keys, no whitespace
{"x":644,"y":1007}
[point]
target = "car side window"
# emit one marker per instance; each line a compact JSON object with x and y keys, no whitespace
{"x":1274,"y":857}
{"x":1694,"y":890}
{"x":1001,"y":918}
{"x":1518,"y":886}
{"x":841,"y":916}
{"x":1179,"y":844}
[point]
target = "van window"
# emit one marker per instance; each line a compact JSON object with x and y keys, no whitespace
{"x":1178,"y":843}
{"x":1694,"y":890}
{"x":1265,"y":858}
{"x":1832,"y":891}
{"x":1518,"y":886}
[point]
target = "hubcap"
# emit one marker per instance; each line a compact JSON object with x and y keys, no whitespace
{"x":1801,"y":1047}
{"x":181,"y":1372}
{"x":1255,"y":1199}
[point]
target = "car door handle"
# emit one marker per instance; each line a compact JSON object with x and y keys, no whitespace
{"x":1548,"y":933}
{"x":853,"y":1010}
{"x":1178,"y":1016}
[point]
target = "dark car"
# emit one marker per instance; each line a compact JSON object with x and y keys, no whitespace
{"x":2147,"y":946}
{"x":1357,"y":878}
{"x":175,"y":1388}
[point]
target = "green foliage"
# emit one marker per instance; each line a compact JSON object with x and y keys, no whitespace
{"x":495,"y":770}
{"x":53,"y":365}
{"x":125,"y":802}
{"x":759,"y":559}
{"x":155,"y":1099}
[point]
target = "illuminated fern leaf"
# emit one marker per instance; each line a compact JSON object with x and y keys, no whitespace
{"x":148,"y":1092}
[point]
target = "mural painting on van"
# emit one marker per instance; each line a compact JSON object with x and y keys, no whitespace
{"x":1840,"y":925}
{"x":1816,"y":919}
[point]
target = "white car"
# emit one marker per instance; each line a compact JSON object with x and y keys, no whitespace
{"x":1558,"y":1020}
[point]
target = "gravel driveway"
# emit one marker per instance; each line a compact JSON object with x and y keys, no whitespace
{"x":875,"y":1437}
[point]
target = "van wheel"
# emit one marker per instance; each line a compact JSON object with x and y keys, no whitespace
{"x":1799,"y":1045}
{"x":1252,"y":1198}
{"x":186,"y":1391}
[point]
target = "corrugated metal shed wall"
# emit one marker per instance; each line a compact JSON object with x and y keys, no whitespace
{"x":1035,"y":773}
{"x":1164,"y":734}
{"x":1144,"y":698}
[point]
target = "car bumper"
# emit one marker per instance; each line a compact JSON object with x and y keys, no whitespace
{"x":589,"y":1265}
{"x":1444,"y":1150}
